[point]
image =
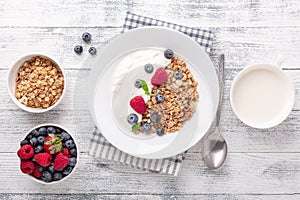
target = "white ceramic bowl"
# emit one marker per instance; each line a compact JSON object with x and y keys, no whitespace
{"x":76,"y":144}
{"x":11,"y":83}
{"x":260,"y":101}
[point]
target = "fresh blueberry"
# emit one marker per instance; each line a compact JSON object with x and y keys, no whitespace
{"x":178,"y":75}
{"x":92,"y":50}
{"x":146,"y":127}
{"x":138,"y":83}
{"x":72,"y":162}
{"x":159,"y":98}
{"x":78,"y":49}
{"x":33,"y":141}
{"x":155,"y":117}
{"x":51,"y":130}
{"x":160,"y":131}
{"x":23,"y":142}
{"x":67,"y":170}
{"x":58,"y":131}
{"x":57,"y":176}
{"x":43,"y":131}
{"x":41,"y":140}
{"x":51,"y":169}
{"x":41,"y":168}
{"x":86,"y":37}
{"x":73,"y":152}
{"x":168,"y":53}
{"x":132,"y":118}
{"x":69,"y":144}
{"x":35,"y":133}
{"x":29,"y":136}
{"x":149,"y":68}
{"x":65,"y":136}
{"x":46,"y":176}
{"x":38,"y":149}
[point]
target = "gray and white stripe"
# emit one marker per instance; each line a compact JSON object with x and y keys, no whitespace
{"x":202,"y":36}
{"x":100,"y":148}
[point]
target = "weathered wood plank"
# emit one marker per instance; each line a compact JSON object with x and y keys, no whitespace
{"x":111,"y":13}
{"x":250,"y":173}
{"x":146,"y":197}
{"x":242,"y":46}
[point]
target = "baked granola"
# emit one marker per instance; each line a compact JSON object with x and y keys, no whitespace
{"x":39,"y":83}
{"x":180,"y":101}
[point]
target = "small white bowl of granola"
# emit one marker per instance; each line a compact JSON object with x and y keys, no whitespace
{"x":36,"y":83}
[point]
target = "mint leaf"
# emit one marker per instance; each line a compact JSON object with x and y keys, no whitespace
{"x":145,"y":87}
{"x":136,"y":126}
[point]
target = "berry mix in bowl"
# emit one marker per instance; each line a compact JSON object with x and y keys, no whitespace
{"x":169,"y":100}
{"x":48,"y":153}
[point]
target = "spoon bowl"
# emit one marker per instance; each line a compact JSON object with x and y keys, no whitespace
{"x":216,"y":147}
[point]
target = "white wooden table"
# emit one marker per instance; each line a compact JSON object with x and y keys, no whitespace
{"x":260,"y":165}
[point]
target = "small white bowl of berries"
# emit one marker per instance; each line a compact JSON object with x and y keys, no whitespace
{"x":48,"y":153}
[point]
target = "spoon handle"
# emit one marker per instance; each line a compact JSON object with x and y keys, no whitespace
{"x":221,"y":85}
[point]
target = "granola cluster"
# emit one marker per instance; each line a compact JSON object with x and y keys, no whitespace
{"x":180,"y":101}
{"x":39,"y":83}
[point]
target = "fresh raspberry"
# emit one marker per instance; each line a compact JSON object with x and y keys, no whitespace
{"x":138,"y":104}
{"x":36,"y":172}
{"x":159,"y":77}
{"x":43,"y":159}
{"x":66,"y":152}
{"x":60,"y":161}
{"x":26,"y":152}
{"x":27,"y":166}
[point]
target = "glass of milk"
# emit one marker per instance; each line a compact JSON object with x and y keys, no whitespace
{"x":262,"y":95}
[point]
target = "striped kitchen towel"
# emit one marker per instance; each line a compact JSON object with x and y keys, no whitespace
{"x":100,"y":148}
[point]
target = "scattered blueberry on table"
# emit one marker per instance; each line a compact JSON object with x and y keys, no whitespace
{"x":86,"y":37}
{"x":92,"y":50}
{"x":78,"y":49}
